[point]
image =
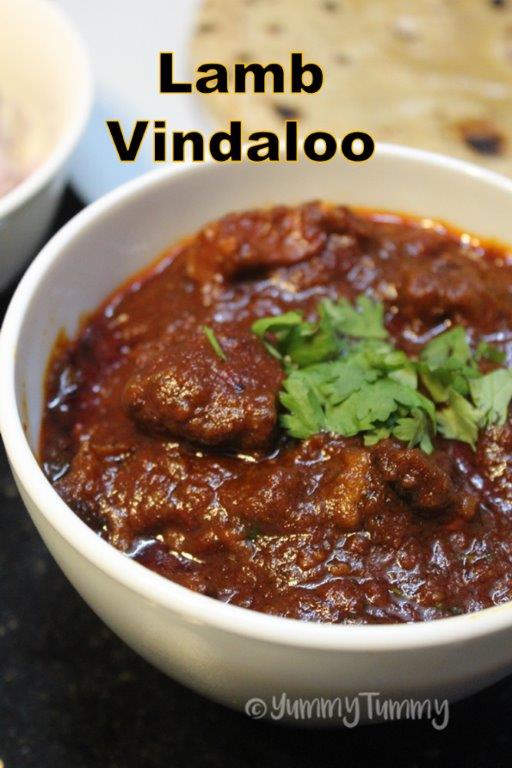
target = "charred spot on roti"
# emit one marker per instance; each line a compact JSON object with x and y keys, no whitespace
{"x":342,"y":58}
{"x":499,"y":3}
{"x":274,"y":28}
{"x":287,"y":112}
{"x":205,"y":27}
{"x":331,"y":6}
{"x":483,"y":137}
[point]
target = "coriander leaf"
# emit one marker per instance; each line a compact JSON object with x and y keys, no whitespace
{"x":451,"y":345}
{"x":375,"y":402}
{"x":348,"y":378}
{"x":378,"y":434}
{"x":210,"y":335}
{"x":459,"y":421}
{"x":376,"y":353}
{"x":415,"y":430}
{"x":412,"y":399}
{"x":446,"y":364}
{"x":486,"y":351}
{"x":492,"y":394}
{"x":440,"y":382}
{"x":301,"y":342}
{"x":307,"y":344}
{"x":372,"y":405}
{"x":365,"y":321}
{"x":276,"y":324}
{"x":305,"y":417}
{"x":342,"y":419}
{"x":272,"y":350}
{"x":405,"y":375}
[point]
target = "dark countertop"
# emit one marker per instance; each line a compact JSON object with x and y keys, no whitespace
{"x":74,"y":696}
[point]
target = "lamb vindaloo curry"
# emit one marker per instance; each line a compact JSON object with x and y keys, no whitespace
{"x":302,"y":411}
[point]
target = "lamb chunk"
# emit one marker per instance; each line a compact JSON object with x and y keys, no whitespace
{"x":281,"y":496}
{"x":80,"y":487}
{"x":277,"y":237}
{"x":342,"y":495}
{"x":493,"y":460}
{"x":448,"y":284}
{"x":267,"y":495}
{"x":422,"y":481}
{"x":184,"y":389}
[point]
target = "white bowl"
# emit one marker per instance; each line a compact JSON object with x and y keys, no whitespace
{"x":43,"y":65}
{"x":229,"y":653}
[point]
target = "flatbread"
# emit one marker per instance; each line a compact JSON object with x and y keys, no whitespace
{"x":435,"y":74}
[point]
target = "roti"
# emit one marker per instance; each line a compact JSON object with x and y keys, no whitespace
{"x":435,"y":74}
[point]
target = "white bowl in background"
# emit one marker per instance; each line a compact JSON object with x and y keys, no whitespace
{"x":44,"y":67}
{"x":228,"y":653}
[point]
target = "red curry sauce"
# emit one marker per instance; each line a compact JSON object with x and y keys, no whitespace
{"x":176,"y":458}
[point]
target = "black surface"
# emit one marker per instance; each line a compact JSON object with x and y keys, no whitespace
{"x":73,"y":696}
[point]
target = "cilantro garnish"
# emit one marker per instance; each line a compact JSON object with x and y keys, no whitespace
{"x":459,"y":420}
{"x":446,"y":364}
{"x":364,"y":321}
{"x":486,"y":351}
{"x":344,"y":376}
{"x":210,"y":335}
{"x":492,"y":394}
